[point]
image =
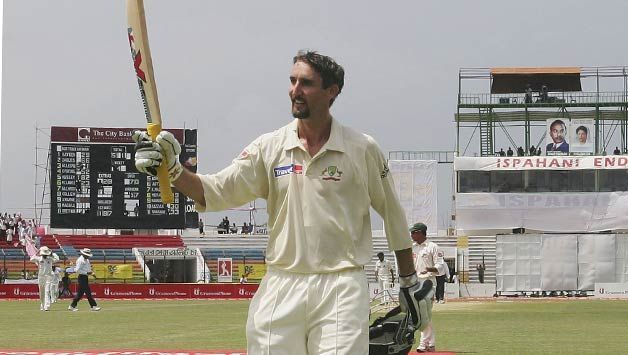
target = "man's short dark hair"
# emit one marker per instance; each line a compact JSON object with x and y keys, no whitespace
{"x":380,"y":254}
{"x":330,"y":71}
{"x":560,"y":122}
{"x":582,"y":128}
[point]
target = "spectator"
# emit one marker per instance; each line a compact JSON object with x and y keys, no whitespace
{"x":245,"y":228}
{"x":201,"y":227}
{"x":528,"y":95}
{"x":9,"y":232}
{"x":501,"y":152}
{"x":234,"y":229}
{"x":538,"y":151}
{"x":520,"y":152}
{"x":480,"y":268}
{"x":543,"y":95}
{"x":616,"y":151}
{"x":532,"y":150}
{"x":509,"y":152}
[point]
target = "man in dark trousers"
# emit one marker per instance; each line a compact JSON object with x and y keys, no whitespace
{"x":83,"y":269}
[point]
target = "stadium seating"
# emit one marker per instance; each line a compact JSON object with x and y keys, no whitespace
{"x":120,"y":241}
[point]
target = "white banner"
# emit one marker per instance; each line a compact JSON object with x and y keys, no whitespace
{"x":561,"y":262}
{"x":541,"y":163}
{"x":549,"y":211}
{"x":416,"y":183}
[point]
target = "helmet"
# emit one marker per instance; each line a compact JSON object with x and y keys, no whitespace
{"x":391,"y":334}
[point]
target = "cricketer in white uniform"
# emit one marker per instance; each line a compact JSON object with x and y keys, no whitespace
{"x":427,"y":261}
{"x":320,"y":179}
{"x":45,"y":259}
{"x":384,"y":273}
{"x":54,"y":283}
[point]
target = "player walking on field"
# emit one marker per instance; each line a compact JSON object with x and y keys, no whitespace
{"x":319,"y":179}
{"x":45,"y":260}
{"x":385,"y":275}
{"x":428,"y":259}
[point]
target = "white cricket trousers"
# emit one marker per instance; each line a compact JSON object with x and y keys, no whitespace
{"x":45,"y":292}
{"x":428,"y":335}
{"x":309,"y":314}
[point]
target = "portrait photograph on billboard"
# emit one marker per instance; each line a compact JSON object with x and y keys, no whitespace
{"x":582,"y":137}
{"x":556,"y":137}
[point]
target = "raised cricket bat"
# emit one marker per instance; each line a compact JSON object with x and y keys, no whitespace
{"x":140,"y":53}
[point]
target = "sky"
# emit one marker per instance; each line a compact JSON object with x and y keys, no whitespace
{"x":222,"y":67}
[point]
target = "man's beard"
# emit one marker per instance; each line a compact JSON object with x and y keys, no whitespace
{"x":300,"y":114}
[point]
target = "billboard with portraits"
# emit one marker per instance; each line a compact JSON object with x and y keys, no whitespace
{"x":582,"y":137}
{"x":557,"y":140}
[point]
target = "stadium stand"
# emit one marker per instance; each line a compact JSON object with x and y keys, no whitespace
{"x":120,"y":241}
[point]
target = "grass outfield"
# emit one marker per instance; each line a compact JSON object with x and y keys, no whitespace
{"x":565,"y":326}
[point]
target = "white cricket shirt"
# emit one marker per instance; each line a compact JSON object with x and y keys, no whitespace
{"x":44,"y":265}
{"x":83,"y":266}
{"x":383,"y":269}
{"x":427,"y":255}
{"x":318,"y":207}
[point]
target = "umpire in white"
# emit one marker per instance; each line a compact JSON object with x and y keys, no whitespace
{"x":83,"y":269}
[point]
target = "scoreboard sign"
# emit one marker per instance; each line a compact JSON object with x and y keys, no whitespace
{"x":94,"y":183}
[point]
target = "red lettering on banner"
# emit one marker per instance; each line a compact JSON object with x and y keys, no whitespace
{"x":554,"y":163}
{"x":567,"y":163}
{"x":609,"y":162}
{"x":597,"y":162}
{"x":528,"y":163}
{"x":499,"y":163}
{"x":622,"y":161}
{"x":541,"y":163}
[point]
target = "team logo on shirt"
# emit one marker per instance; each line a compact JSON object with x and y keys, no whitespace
{"x":288,"y":169}
{"x":331,"y":173}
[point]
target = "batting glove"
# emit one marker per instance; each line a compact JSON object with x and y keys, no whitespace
{"x":149,"y":154}
{"x":415,"y":298}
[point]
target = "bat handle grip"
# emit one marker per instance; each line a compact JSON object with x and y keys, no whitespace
{"x":167,"y":196}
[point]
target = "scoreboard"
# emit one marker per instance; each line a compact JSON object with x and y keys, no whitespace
{"x":94,"y":183}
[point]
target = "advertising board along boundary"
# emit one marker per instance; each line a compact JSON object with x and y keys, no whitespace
{"x":144,"y":291}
